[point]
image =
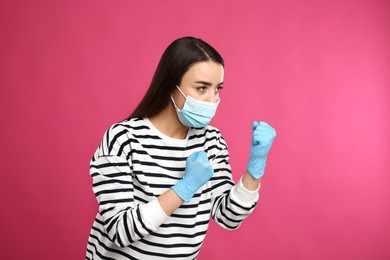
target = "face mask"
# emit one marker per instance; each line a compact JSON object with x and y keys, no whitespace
{"x":195,"y":113}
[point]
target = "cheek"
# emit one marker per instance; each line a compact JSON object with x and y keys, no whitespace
{"x":179,"y":99}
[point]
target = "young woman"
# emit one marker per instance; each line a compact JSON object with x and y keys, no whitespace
{"x":160,"y":175}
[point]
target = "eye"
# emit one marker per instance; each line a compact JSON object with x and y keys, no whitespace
{"x":219,"y":89}
{"x":201,"y":89}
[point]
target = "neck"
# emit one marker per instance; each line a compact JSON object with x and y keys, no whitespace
{"x":168,"y":123}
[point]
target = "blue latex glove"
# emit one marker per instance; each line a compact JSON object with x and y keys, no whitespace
{"x":262,"y":137}
{"x":198,"y":172}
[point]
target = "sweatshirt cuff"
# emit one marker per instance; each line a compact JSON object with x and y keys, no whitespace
{"x":242,"y":194}
{"x":153,"y":214}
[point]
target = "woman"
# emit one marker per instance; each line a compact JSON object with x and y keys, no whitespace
{"x":162,"y":173}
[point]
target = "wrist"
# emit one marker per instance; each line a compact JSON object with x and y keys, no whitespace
{"x":169,"y":201}
{"x":249,"y":182}
{"x":182,"y":190}
{"x":256,"y":167}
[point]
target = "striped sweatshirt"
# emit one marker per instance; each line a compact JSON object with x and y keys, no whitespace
{"x":134,"y":164}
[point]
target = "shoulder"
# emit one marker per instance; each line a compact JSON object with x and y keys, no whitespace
{"x":213,"y":131}
{"x":211,"y":134}
{"x":207,"y":130}
{"x":127,"y":127}
{"x":118,"y":138}
{"x":124,"y":130}
{"x":131,"y":125}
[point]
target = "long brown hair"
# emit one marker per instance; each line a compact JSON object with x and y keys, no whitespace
{"x":175,"y":62}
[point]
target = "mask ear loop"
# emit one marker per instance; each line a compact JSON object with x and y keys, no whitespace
{"x":181,"y":92}
{"x":174,"y":103}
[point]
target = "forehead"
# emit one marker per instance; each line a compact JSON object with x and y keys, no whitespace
{"x":205,"y":71}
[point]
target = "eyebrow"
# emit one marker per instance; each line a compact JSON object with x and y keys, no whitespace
{"x":207,"y":83}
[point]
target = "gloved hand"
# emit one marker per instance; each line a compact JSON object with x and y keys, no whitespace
{"x":198,"y":172}
{"x":262,"y":137}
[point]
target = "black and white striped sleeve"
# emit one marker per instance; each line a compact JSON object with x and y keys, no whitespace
{"x":111,"y":170}
{"x":231,"y":204}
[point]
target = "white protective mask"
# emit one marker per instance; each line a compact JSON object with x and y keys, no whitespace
{"x":195,"y":113}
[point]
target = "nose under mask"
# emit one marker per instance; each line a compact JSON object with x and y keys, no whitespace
{"x":195,"y":113}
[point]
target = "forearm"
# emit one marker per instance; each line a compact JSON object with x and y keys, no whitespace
{"x":169,"y":201}
{"x":230,"y":209}
{"x":250,"y":182}
{"x":147,"y":218}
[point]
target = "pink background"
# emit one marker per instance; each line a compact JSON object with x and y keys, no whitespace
{"x":318,"y":71}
